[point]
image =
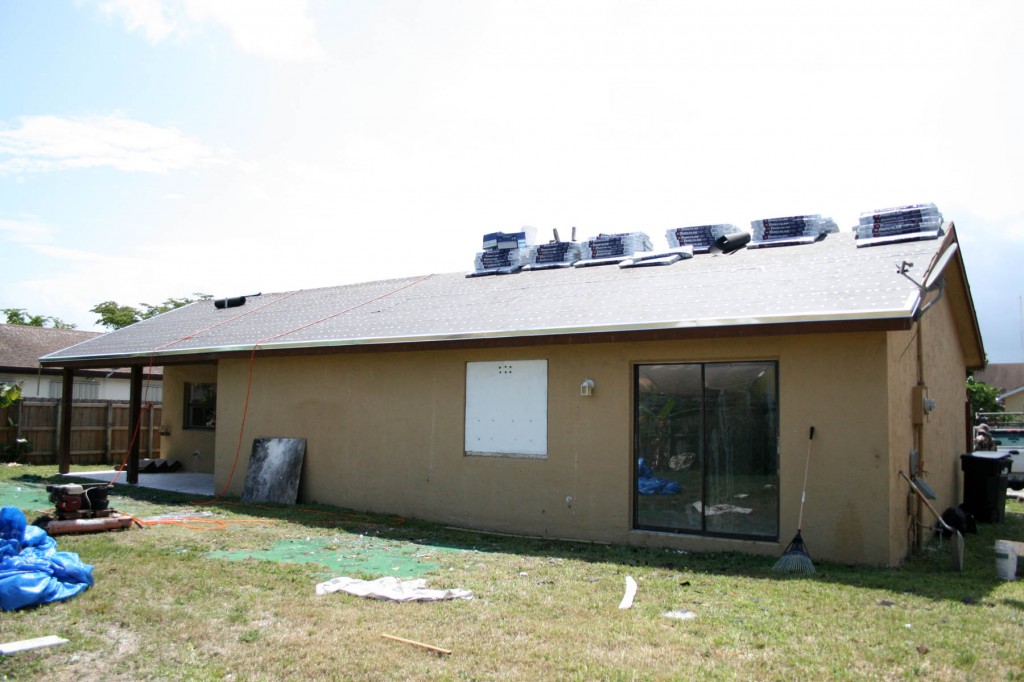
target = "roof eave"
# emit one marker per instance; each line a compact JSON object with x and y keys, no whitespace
{"x":968,"y":328}
{"x":874,"y":320}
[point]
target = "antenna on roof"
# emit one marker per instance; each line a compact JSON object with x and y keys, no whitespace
{"x":934,"y":278}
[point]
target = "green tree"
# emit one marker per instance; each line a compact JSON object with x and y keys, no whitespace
{"x":23,"y":317}
{"x":12,"y":452}
{"x":983,"y":398}
{"x":170,"y":304}
{"x":115,"y":316}
{"x":9,"y":394}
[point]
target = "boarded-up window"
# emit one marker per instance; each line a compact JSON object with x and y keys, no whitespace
{"x":507,"y":408}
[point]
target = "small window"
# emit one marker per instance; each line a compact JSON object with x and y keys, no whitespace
{"x":153,"y":393}
{"x":81,"y":389}
{"x":507,"y":408}
{"x":200,"y":406}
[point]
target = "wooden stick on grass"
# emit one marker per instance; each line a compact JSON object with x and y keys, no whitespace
{"x":428,"y":647}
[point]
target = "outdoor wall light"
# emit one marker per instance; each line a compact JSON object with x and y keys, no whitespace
{"x":587,"y":387}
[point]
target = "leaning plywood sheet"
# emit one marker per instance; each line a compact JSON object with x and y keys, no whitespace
{"x":274,"y":470}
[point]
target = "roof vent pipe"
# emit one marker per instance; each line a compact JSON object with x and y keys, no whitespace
{"x":231,"y":301}
{"x":728,"y":243}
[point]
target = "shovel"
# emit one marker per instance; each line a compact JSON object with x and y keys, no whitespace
{"x":958,"y":538}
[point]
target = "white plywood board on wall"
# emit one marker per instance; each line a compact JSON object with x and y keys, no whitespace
{"x":507,"y":408}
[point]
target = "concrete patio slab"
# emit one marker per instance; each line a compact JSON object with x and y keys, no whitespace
{"x":188,"y":482}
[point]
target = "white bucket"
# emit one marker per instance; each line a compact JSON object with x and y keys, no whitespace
{"x":1006,"y":560}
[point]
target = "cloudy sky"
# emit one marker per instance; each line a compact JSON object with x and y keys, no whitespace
{"x":151,"y":149}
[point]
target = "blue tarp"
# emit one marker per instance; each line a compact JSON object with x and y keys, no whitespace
{"x":32,"y":571}
{"x":649,"y":484}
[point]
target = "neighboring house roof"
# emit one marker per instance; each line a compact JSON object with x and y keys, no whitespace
{"x":830,"y":285}
{"x":21,"y":346}
{"x":1006,"y":376}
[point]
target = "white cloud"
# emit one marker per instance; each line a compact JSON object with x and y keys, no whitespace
{"x":29,"y":232}
{"x":269,"y":28}
{"x":47,"y":143}
{"x":147,"y":15}
{"x":278,"y":30}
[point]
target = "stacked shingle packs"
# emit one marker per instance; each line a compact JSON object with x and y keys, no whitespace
{"x":605,"y":249}
{"x":504,"y":253}
{"x":798,"y":229}
{"x":700,"y":237}
{"x":899,"y":224}
{"x":555,"y":254}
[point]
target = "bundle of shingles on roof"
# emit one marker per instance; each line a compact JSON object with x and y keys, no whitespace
{"x":897,"y":224}
{"x":503,"y":253}
{"x":786,"y":231}
{"x":700,"y":237}
{"x":556,"y":253}
{"x":508,"y":253}
{"x":609,"y":249}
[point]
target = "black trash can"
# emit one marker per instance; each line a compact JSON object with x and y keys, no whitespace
{"x":985,"y":485}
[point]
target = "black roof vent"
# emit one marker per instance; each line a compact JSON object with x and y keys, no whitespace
{"x":730,"y":243}
{"x":232,"y":301}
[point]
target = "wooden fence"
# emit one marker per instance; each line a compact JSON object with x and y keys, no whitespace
{"x":100,"y":431}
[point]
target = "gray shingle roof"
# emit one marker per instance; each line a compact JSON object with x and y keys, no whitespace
{"x":1005,"y":376}
{"x":21,"y":346}
{"x":828,"y":281}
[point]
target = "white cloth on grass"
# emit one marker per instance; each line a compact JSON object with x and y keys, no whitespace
{"x":390,"y":588}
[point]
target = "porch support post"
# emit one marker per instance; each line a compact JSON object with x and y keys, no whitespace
{"x":135,"y":424}
{"x":66,"y":395}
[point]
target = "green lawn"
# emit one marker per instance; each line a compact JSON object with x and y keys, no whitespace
{"x":230,"y":596}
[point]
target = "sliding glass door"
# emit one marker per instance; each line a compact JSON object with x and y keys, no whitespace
{"x":706,"y":448}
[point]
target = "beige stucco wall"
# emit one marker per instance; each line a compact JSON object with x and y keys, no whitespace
{"x":1014,"y":403}
{"x":945,"y":432}
{"x":943,"y":376}
{"x":176,"y":442}
{"x":385,"y":433}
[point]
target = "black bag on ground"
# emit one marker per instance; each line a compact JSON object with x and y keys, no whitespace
{"x":960,"y":519}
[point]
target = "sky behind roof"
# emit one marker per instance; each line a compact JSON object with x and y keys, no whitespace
{"x":152,"y":149}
